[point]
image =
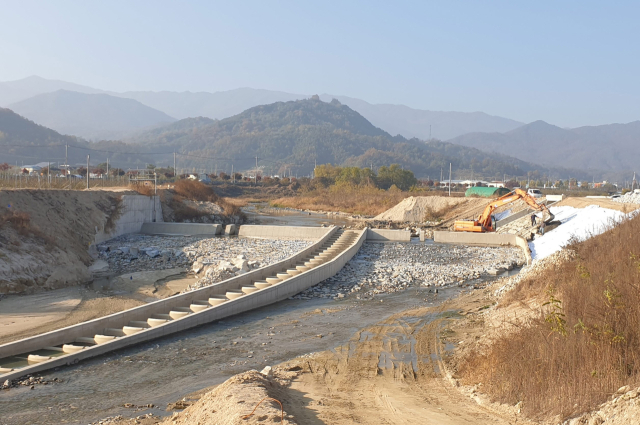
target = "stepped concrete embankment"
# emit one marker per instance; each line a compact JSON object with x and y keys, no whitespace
{"x":251,"y":290}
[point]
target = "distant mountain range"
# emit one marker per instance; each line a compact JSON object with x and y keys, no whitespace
{"x":609,"y":150}
{"x":25,"y":142}
{"x":285,"y":136}
{"x":92,"y":116}
{"x":294,"y":135}
{"x":614,"y":147}
{"x":395,"y":119}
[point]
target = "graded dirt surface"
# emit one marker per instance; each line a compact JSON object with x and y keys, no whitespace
{"x":28,"y":315}
{"x":166,"y":370}
{"x":391,"y":372}
{"x":603,"y":203}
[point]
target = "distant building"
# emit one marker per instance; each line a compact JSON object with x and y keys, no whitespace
{"x":32,"y":168}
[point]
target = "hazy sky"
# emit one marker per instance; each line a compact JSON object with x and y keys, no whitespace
{"x":569,"y":63}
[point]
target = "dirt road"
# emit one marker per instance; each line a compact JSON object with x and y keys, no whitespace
{"x":389,"y":373}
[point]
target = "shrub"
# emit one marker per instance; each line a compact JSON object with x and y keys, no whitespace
{"x":194,"y":190}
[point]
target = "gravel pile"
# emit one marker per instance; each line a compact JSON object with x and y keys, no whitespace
{"x":380,"y":268}
{"x":130,"y":253}
{"x":628,"y":198}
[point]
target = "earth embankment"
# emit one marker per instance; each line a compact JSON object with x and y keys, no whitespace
{"x":45,"y":236}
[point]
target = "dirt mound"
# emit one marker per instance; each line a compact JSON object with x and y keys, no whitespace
{"x":603,"y":203}
{"x":232,"y":401}
{"x":416,"y":209}
{"x":48,"y":247}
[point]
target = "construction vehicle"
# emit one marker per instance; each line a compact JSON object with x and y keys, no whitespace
{"x":487,"y":221}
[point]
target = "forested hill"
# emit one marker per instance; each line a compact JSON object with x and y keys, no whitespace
{"x":294,"y":135}
{"x":24,"y":142}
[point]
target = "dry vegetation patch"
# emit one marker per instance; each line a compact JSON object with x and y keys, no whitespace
{"x":582,"y":343}
{"x":361,"y":200}
{"x":193,"y":190}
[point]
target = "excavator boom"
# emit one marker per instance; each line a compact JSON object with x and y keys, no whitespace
{"x":486,"y":221}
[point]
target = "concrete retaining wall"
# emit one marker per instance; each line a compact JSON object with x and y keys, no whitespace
{"x":135,"y":210}
{"x":185,"y":229}
{"x":281,"y":232}
{"x":554,"y":198}
{"x":260,"y":298}
{"x":484,"y":239}
{"x":388,"y":235}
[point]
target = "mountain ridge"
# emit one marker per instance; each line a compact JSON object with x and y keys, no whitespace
{"x":97,"y":116}
{"x":611,"y":147}
{"x":395,"y":119}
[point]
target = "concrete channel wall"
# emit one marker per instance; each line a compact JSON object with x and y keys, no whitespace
{"x":266,"y":296}
{"x":388,"y":235}
{"x":135,"y":211}
{"x":184,"y":229}
{"x":484,"y":239}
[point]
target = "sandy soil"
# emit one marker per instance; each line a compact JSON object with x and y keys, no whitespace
{"x":415,"y":208}
{"x":604,"y":203}
{"x":51,"y":252}
{"x":391,"y":373}
{"x":28,"y":315}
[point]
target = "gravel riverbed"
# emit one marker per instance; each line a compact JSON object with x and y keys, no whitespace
{"x":131,"y":253}
{"x":380,"y":268}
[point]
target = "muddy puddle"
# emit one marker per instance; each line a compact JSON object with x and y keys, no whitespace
{"x":165,"y":370}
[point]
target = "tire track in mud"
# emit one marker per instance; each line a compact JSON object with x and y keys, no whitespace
{"x":389,"y":373}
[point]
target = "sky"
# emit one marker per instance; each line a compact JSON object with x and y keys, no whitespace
{"x":569,"y":63}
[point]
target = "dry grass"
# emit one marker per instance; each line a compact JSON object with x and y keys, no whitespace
{"x":142,"y":189}
{"x":194,"y":190}
{"x":368,"y":201}
{"x":583,"y":344}
{"x":20,"y":221}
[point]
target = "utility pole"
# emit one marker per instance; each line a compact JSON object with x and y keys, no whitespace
{"x":449,"y":179}
{"x":66,"y":161}
{"x":107,"y":168}
{"x":49,"y":173}
{"x":233,"y":176}
{"x":255,"y":177}
{"x":87,"y":171}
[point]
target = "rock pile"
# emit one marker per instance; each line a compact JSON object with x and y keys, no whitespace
{"x":213,"y":262}
{"x":628,"y":198}
{"x":388,"y":267}
{"x":29,"y":381}
{"x":131,"y":253}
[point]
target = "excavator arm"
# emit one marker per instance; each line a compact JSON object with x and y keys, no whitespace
{"x":486,"y":223}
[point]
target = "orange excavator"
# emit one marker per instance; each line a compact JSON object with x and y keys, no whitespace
{"x":487,"y":222}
